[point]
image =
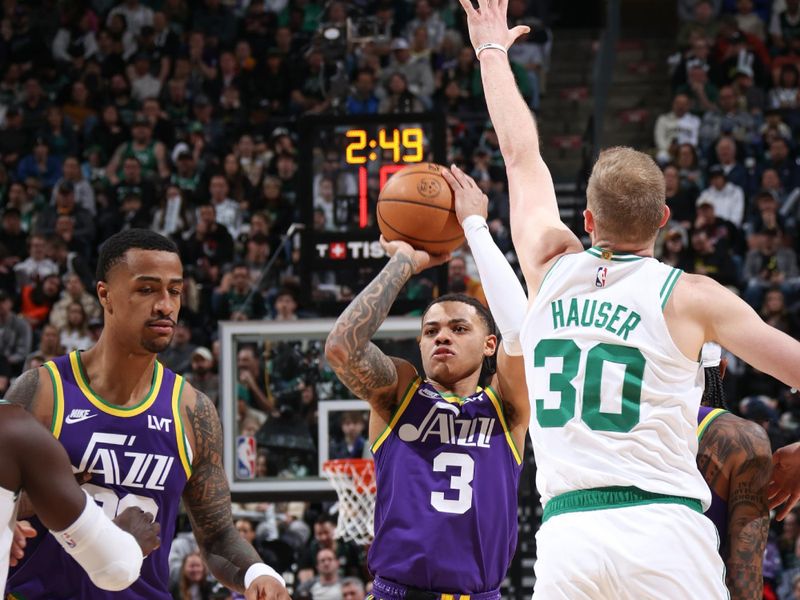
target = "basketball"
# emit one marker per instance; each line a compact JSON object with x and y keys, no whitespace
{"x":416,"y":206}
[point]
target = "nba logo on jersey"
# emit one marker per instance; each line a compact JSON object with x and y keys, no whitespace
{"x":600,"y":278}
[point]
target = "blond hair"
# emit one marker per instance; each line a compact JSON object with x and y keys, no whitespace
{"x":626,"y":194}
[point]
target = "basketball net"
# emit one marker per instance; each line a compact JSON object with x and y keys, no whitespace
{"x":354,"y":482}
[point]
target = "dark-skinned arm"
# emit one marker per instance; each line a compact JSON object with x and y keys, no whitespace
{"x":740,"y":449}
{"x":208,"y":499}
{"x":360,"y":364}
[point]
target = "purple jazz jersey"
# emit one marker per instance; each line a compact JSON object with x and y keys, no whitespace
{"x":447,"y":475}
{"x":718,"y":511}
{"x":137,"y":456}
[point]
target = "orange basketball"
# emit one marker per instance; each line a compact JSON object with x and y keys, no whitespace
{"x":416,"y":206}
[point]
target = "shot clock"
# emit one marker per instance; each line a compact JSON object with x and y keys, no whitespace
{"x":344,"y":162}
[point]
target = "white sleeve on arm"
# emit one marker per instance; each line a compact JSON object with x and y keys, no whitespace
{"x":504,"y":292}
{"x":111,"y":557}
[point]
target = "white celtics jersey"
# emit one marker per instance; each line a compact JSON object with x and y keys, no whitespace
{"x":8,"y":519}
{"x":613,"y":400}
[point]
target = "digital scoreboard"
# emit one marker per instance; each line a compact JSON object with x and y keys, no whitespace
{"x":344,"y":163}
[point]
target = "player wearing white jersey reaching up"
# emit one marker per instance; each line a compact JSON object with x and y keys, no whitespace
{"x":611,"y":342}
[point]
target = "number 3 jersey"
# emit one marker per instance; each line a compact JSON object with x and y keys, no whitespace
{"x":447,"y":474}
{"x":613,"y":401}
{"x":137,"y":456}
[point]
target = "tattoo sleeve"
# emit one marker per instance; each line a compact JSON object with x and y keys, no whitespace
{"x":744,"y":448}
{"x":23,"y":392}
{"x":359,"y":363}
{"x":208,"y":501}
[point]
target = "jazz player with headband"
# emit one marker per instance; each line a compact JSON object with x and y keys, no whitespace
{"x":735,"y":459}
{"x":611,"y":341}
{"x":448,"y":454}
{"x":111,"y":553}
{"x":144,"y":436}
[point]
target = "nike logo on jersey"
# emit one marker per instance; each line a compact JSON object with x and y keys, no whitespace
{"x":78,"y":415}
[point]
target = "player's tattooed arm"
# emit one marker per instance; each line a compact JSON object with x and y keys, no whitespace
{"x":360,"y":364}
{"x":33,"y":391}
{"x":745,"y":447}
{"x":23,"y":392}
{"x":208,"y":500}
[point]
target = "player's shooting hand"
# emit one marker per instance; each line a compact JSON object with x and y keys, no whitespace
{"x":422,"y":260}
{"x":488,"y":24}
{"x":22,"y":531}
{"x":142,"y":526}
{"x":469,"y":198}
{"x":785,"y":485}
{"x":266,"y":588}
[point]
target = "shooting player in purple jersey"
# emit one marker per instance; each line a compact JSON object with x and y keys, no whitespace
{"x":735,"y":459}
{"x":447,"y":452}
{"x":143,"y":436}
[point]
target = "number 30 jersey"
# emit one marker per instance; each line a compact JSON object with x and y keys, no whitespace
{"x":447,"y":474}
{"x":137,"y":456}
{"x":613,"y":401}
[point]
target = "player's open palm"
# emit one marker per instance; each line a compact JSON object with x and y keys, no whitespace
{"x":420,"y":259}
{"x":266,"y":588}
{"x":141,"y":526}
{"x":469,"y":198}
{"x":488,"y":24}
{"x":785,"y":485}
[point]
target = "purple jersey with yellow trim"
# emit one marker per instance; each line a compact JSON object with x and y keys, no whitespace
{"x":447,"y":473}
{"x":718,"y":511}
{"x":137,"y":456}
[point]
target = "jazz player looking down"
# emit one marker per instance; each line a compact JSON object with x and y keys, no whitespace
{"x":447,"y":453}
{"x":144,"y":436}
{"x":111,"y":557}
{"x":611,"y":342}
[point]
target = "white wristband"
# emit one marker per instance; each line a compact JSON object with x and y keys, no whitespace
{"x":256,"y":570}
{"x":487,"y":46}
{"x":473,"y":223}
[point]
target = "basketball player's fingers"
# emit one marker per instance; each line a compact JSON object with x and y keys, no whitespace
{"x":451,"y":179}
{"x":778,"y":499}
{"x":438,"y":259}
{"x":787,"y":508}
{"x":465,"y":180}
{"x":26,"y":529}
{"x":772,"y":491}
{"x":468,"y":8}
{"x":519,"y":30}
{"x":387,"y":246}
